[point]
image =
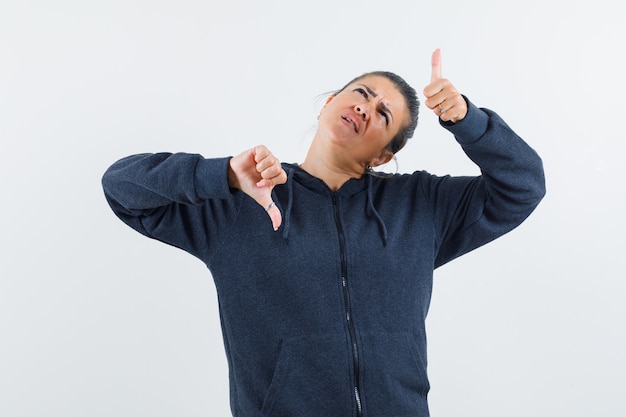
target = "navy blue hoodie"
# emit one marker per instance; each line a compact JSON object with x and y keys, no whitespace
{"x":326,"y":316}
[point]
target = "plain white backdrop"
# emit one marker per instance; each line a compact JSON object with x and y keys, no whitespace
{"x":96,"y":320}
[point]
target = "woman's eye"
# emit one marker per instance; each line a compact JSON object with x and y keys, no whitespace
{"x":385,"y":116}
{"x":361,"y":92}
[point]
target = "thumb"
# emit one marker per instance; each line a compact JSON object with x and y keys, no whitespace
{"x":271,"y":209}
{"x":275,"y":216}
{"x":436,"y":66}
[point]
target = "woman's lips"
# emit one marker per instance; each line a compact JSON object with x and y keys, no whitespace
{"x":352,"y":121}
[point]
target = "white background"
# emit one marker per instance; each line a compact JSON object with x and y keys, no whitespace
{"x":96,"y":320}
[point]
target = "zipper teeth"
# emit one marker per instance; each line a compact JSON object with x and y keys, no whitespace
{"x":347,"y":304}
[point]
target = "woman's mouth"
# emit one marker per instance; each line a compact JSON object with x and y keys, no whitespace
{"x":352,"y":122}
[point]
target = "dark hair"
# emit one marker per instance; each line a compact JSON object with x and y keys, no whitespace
{"x":412,"y":103}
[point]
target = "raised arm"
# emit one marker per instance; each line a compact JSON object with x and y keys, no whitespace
{"x":470,"y":212}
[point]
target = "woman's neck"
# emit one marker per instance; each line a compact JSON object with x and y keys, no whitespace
{"x":334,"y":172}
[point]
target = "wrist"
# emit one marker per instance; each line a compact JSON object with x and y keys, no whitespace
{"x":233,"y":182}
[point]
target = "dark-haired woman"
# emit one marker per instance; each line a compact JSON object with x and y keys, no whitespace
{"x":323,"y":313}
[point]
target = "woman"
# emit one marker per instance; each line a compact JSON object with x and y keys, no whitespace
{"x":325,"y":317}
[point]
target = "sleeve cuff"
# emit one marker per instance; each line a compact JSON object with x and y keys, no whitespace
{"x":471,"y":128}
{"x":211,"y":178}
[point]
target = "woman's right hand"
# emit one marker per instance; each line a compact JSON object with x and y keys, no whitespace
{"x":256,"y":172}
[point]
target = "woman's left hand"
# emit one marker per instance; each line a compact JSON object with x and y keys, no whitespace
{"x":441,"y":96}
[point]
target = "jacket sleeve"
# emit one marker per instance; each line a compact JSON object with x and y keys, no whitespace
{"x":180,"y":199}
{"x":469,"y":212}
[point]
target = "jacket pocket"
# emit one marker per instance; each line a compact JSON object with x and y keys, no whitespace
{"x":395,"y":383}
{"x":311,"y":379}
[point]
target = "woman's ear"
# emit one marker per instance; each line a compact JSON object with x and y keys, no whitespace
{"x":384,"y":157}
{"x":327,"y":101}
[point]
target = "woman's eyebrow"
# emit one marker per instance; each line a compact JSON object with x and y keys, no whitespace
{"x":386,"y":110}
{"x":382,"y":105}
{"x":369,"y":90}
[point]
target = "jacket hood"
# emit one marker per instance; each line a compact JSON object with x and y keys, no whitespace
{"x":351,"y":187}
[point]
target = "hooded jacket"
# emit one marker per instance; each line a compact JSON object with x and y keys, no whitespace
{"x":326,"y":316}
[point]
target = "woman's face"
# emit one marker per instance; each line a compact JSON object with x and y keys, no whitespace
{"x":363,"y":118}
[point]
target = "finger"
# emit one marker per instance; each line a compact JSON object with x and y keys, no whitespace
{"x":270,"y":180}
{"x":272,"y":171}
{"x":270,"y":162}
{"x":439,"y":92}
{"x":437,"y":97}
{"x":260,"y":153}
{"x":436,"y":66}
{"x":452,"y":110}
{"x":445,"y":113}
{"x":268,"y":166}
{"x":440,"y":109}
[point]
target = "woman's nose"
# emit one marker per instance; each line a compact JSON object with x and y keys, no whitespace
{"x":361,"y":111}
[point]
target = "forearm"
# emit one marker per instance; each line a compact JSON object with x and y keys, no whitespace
{"x":511,"y":169}
{"x":147,"y":181}
{"x":472,"y":211}
{"x":181,"y":199}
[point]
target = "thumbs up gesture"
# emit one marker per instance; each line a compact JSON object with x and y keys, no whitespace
{"x":441,"y":96}
{"x":256,"y":172}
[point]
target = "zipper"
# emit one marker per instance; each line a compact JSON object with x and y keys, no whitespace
{"x":346,"y":300}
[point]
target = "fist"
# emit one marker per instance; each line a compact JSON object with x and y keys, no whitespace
{"x":441,"y":96}
{"x":256,"y":172}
